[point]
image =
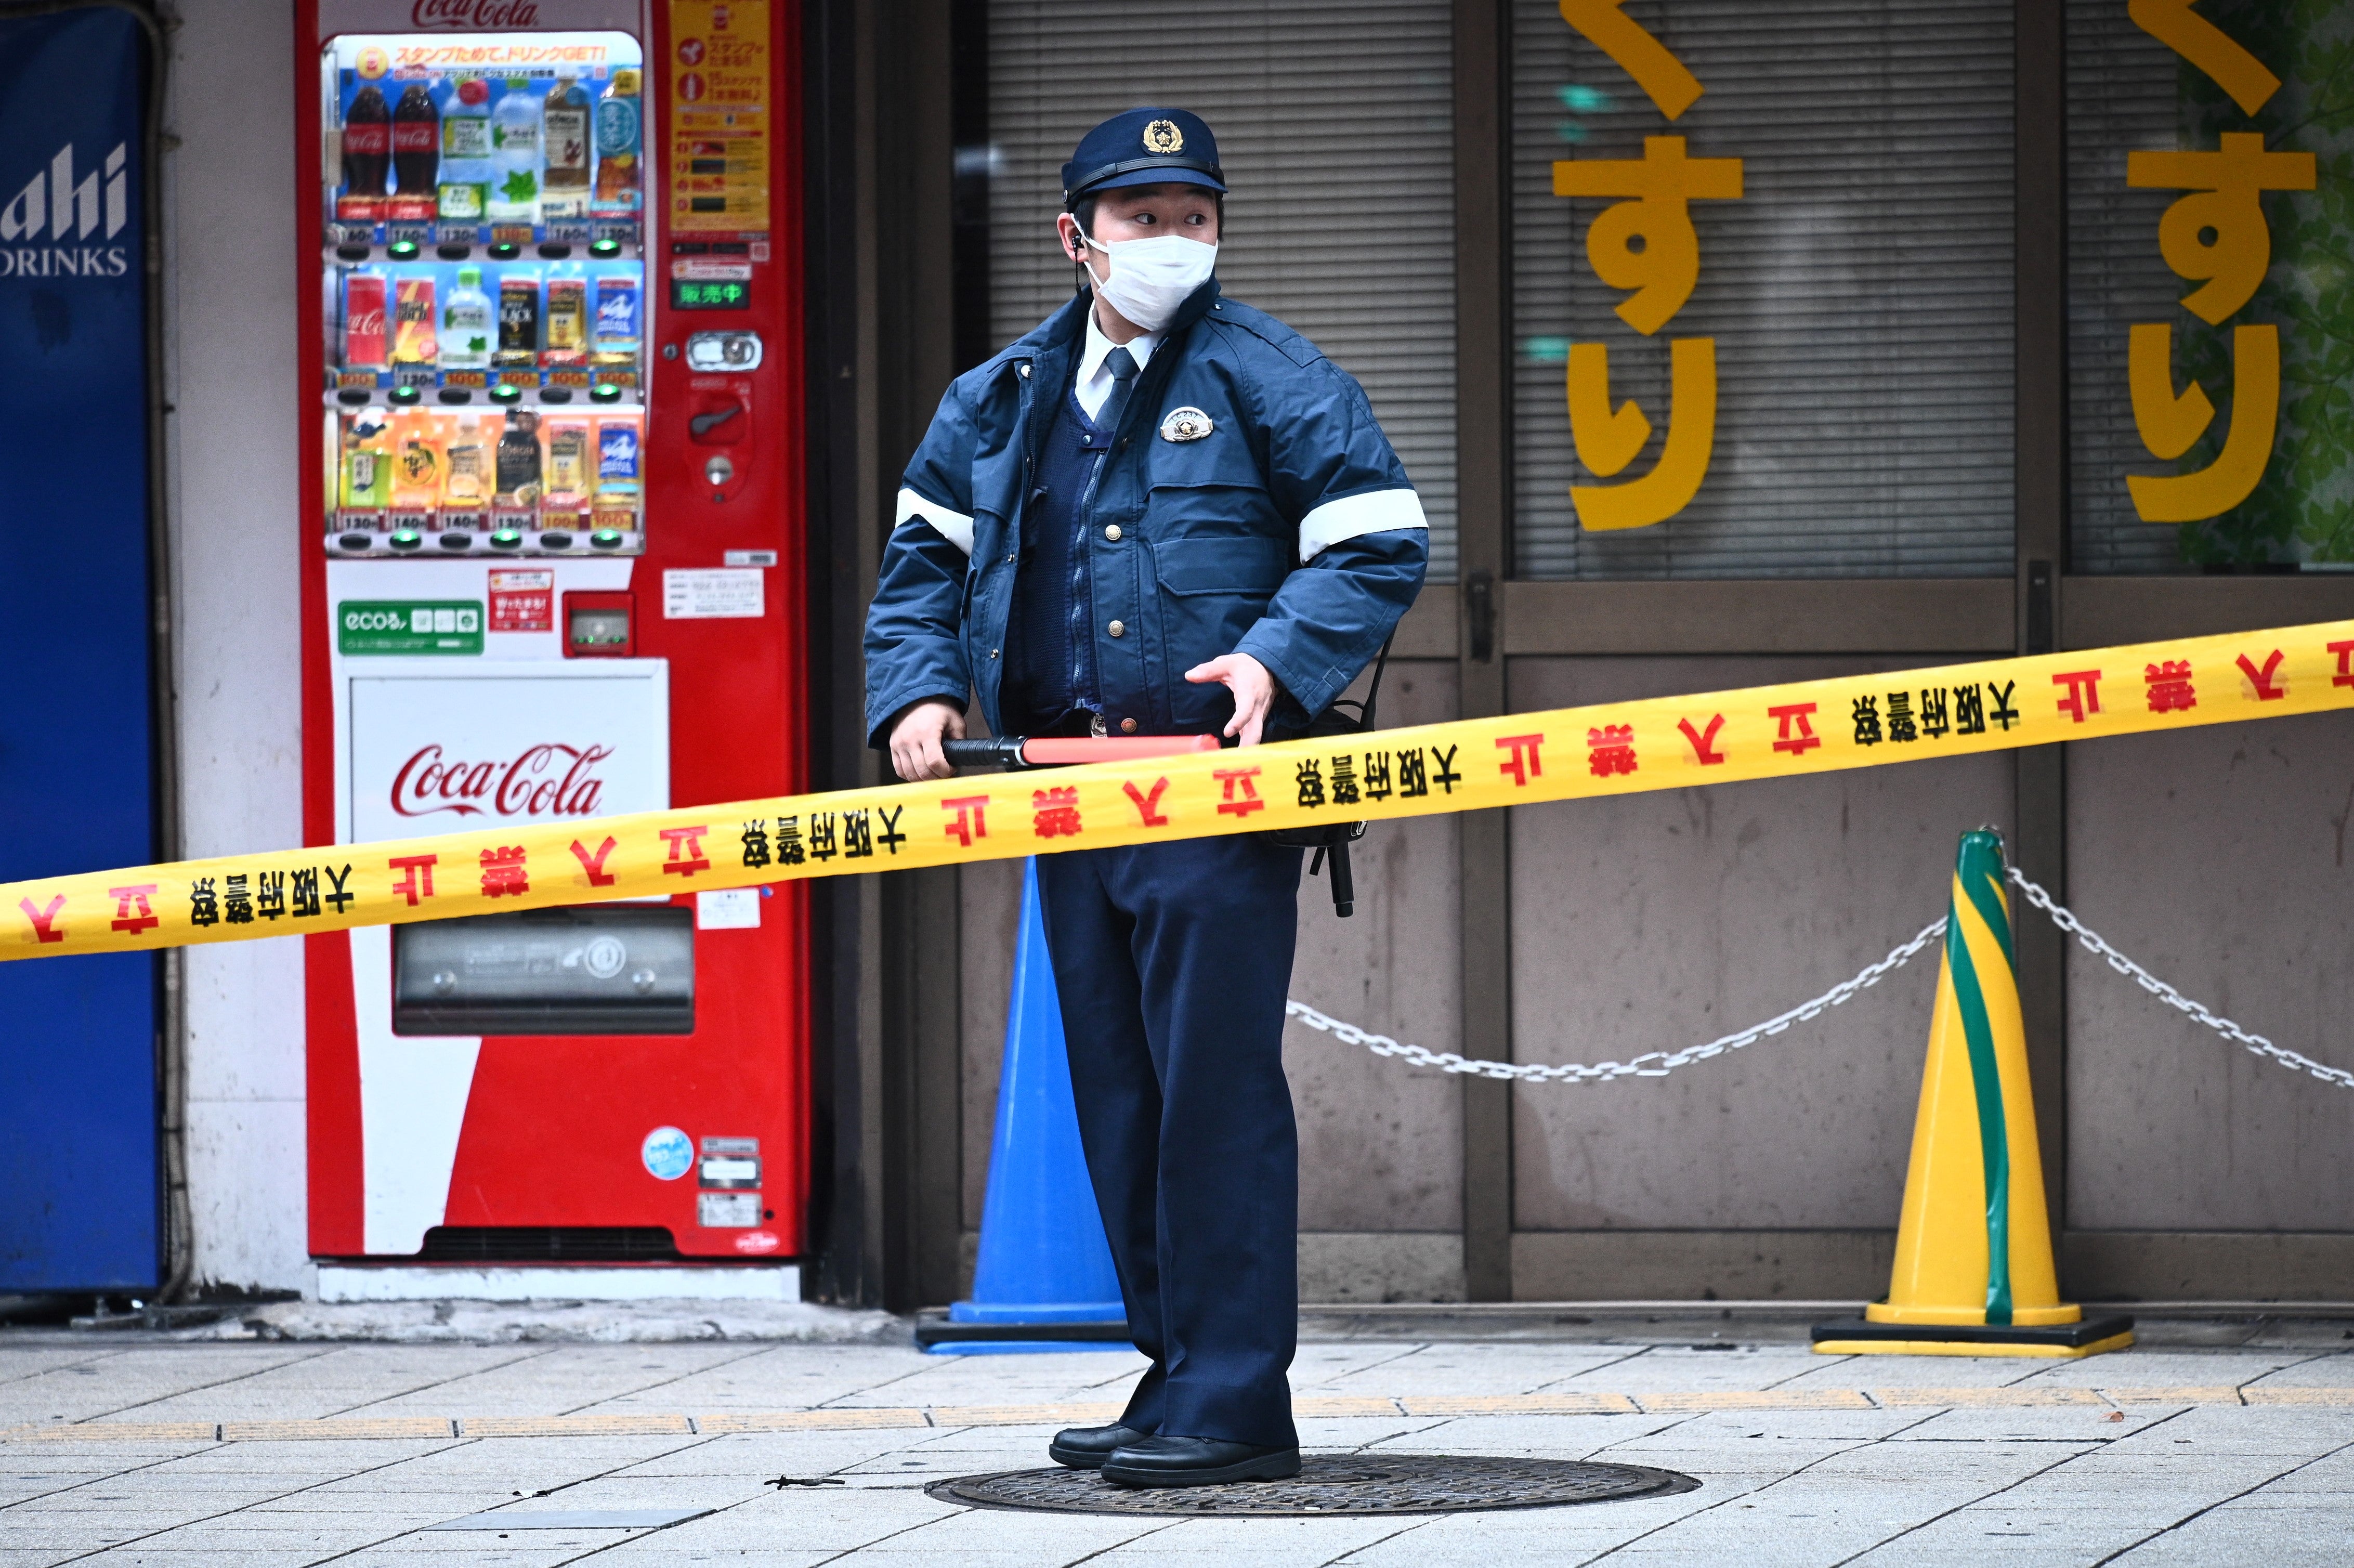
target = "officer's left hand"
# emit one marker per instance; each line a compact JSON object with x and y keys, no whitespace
{"x":1253,"y":687}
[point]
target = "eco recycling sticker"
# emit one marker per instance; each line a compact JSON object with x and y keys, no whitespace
{"x":668,"y":1153}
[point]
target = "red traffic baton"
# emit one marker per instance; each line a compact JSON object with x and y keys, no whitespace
{"x":1015,"y":752}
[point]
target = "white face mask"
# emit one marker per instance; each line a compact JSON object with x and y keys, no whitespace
{"x":1150,"y":278}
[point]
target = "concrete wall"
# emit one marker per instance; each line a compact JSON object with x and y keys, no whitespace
{"x":231,"y":273}
{"x":1657,"y":921}
{"x":2218,"y":858}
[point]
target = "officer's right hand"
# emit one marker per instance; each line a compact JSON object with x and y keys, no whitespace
{"x":916,"y":740}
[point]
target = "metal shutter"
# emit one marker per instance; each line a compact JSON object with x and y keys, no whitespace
{"x":1334,"y":127}
{"x":2123,"y":96}
{"x":1860,"y":291}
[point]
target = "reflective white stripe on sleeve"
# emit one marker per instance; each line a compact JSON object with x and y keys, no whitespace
{"x":956,"y":527}
{"x":1374,"y":512}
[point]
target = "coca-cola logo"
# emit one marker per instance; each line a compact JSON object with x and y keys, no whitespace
{"x":546,"y":780}
{"x":368,"y":323}
{"x":472,"y":15}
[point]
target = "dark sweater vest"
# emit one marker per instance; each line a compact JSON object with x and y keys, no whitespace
{"x":1050,"y":678}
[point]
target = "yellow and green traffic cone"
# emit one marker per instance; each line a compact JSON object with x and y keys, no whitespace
{"x":1975,"y":1274}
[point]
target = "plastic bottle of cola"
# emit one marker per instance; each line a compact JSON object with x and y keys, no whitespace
{"x":416,"y":154}
{"x":367,"y":157}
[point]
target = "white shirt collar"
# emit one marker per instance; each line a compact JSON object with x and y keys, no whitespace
{"x":1093,"y":384}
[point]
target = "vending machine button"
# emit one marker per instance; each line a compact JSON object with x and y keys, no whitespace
{"x":457,"y":541}
{"x":402,"y":250}
{"x":556,"y":251}
{"x":556,"y":541}
{"x":606,"y":248}
{"x":358,"y":543}
{"x":502,"y":393}
{"x":556,"y":394}
{"x":453,"y":252}
{"x":505,"y":250}
{"x":604,"y":392}
{"x":405,"y":394}
{"x":406,"y":539}
{"x":507,"y":539}
{"x":351,"y":252}
{"x":719,"y":471}
{"x":456,"y":395}
{"x":355,"y":395}
{"x":606,"y":539}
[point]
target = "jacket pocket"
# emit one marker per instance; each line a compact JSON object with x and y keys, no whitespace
{"x":1213,"y":590}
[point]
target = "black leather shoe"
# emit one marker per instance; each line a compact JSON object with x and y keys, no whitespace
{"x":1197,"y":1462}
{"x":1087,"y":1447}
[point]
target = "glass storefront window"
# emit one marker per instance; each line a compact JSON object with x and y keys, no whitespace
{"x":1816,"y":341}
{"x":2211,"y":220}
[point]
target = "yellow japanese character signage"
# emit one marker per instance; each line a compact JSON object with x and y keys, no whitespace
{"x":721,"y":104}
{"x":2214,"y":234}
{"x":1644,"y":242}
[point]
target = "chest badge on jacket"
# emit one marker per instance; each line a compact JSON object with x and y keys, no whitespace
{"x":1185,"y":425}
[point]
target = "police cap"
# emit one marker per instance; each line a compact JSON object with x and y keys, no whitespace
{"x":1143,"y":147}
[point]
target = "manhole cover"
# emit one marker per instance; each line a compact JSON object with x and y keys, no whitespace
{"x":1330,"y":1484}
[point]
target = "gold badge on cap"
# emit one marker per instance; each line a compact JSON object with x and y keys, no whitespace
{"x":1188,"y":424}
{"x":1163,"y":138}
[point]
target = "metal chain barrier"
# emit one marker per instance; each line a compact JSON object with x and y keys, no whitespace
{"x":1659,"y":1064}
{"x":2093,"y":943}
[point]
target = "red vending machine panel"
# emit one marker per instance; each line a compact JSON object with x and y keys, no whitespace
{"x":551,"y":571}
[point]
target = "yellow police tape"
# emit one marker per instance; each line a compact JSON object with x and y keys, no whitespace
{"x":1613,"y":749}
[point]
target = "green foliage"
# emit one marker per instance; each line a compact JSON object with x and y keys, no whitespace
{"x":2303,"y":509}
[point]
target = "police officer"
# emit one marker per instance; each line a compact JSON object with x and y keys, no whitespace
{"x":1160,"y":512}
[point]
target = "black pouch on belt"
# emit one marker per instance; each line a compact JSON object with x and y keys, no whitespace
{"x":1331,"y":840}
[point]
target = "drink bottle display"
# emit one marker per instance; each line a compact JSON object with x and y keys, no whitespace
{"x":364,"y":341}
{"x":567,"y":320}
{"x":366,"y":157}
{"x":621,"y":122}
{"x":515,"y":156}
{"x":565,"y":191}
{"x":619,"y":329}
{"x":417,"y":460}
{"x":617,"y":482}
{"x":414,"y":340}
{"x":518,"y":463}
{"x":469,"y":327}
{"x":464,"y":183}
{"x":366,"y":478}
{"x":518,"y":319}
{"x":466,"y":469}
{"x":416,"y":154}
{"x":568,"y":470}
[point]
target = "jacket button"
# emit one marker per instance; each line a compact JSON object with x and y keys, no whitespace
{"x":1128,"y":726}
{"x":1111,"y":532}
{"x":993,"y":652}
{"x":1118,"y":629}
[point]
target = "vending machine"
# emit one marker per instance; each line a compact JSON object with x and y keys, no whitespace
{"x":552,"y":571}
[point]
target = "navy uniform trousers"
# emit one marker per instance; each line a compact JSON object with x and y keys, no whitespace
{"x":1174,"y":962}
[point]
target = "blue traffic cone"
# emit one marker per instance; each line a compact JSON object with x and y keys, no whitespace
{"x":1043,"y":1280}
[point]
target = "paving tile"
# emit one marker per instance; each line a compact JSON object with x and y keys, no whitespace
{"x":333,"y":1380}
{"x":135,"y":1379}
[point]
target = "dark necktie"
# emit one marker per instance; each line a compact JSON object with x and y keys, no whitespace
{"x":1122,"y":366}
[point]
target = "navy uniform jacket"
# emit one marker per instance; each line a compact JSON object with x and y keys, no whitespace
{"x":1290,"y":532}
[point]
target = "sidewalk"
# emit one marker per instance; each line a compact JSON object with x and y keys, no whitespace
{"x":2213,"y":1443}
